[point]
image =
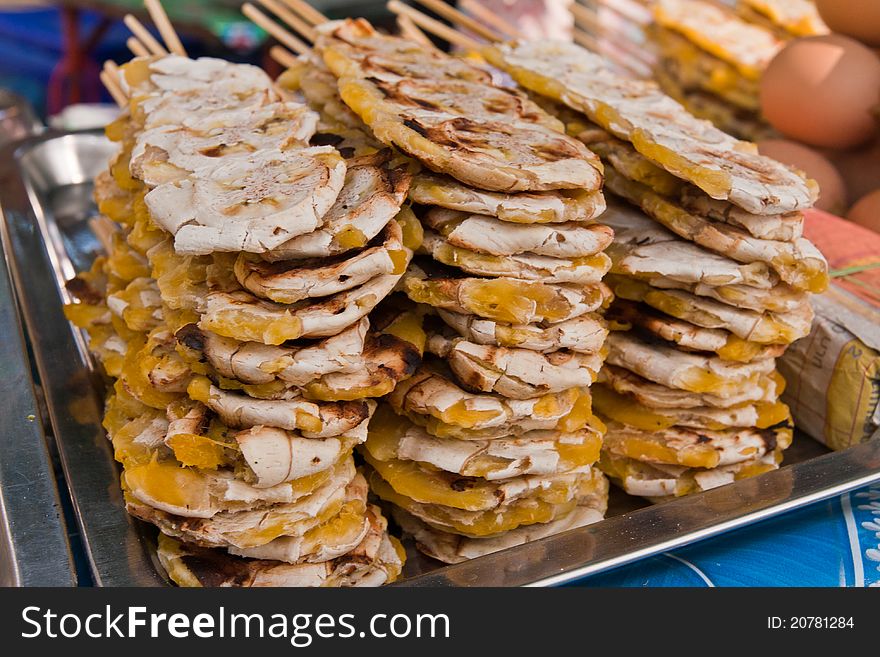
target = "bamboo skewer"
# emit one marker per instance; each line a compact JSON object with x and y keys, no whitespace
{"x":136,"y":47}
{"x":292,"y":20}
{"x":166,"y":29}
{"x":293,"y":43}
{"x":104,"y":229}
{"x":143,"y":34}
{"x":111,"y":77}
{"x":583,"y":16}
{"x":307,"y":12}
{"x":591,"y":24}
{"x":586,"y":40}
{"x":432,"y":26}
{"x":411,"y":31}
{"x":457,"y":18}
{"x":113,"y":88}
{"x":493,"y":20}
{"x":282,"y":56}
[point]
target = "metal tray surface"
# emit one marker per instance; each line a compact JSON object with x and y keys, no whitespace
{"x":45,"y":193}
{"x":34,"y":549}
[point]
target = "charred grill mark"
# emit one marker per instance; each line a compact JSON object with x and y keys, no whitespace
{"x":191,"y":336}
{"x":461,"y":484}
{"x":214,"y":572}
{"x":84,"y":291}
{"x":215,"y":151}
{"x":414,"y":125}
{"x":769,"y":438}
{"x":325,"y":139}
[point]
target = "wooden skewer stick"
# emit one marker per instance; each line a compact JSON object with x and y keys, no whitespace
{"x":585,"y":40}
{"x":143,"y":34}
{"x":104,"y":229}
{"x":286,"y":38}
{"x":307,"y":12}
{"x":582,"y":15}
{"x":137,"y":48}
{"x":293,"y":21}
{"x":431,"y":26}
{"x":114,"y":88}
{"x":283,"y":56}
{"x":166,"y":29}
{"x":457,"y":18}
{"x":112,"y":68}
{"x":493,"y":20}
{"x":411,"y":31}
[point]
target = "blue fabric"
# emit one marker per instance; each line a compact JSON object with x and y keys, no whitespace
{"x":831,"y":543}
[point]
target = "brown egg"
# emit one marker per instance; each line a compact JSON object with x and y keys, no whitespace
{"x":832,"y":189}
{"x":859,"y":167}
{"x":866,"y":212}
{"x":859,"y":19}
{"x":823,"y":91}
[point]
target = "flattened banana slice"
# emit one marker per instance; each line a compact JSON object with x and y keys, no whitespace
{"x":445,"y":410}
{"x":257,"y":363}
{"x":392,"y":437}
{"x":471,"y":494}
{"x":138,"y":305}
{"x":199,"y":94}
{"x":317,"y":84}
{"x":696,"y":69}
{"x":655,"y":395}
{"x":514,"y":373}
{"x":242,"y":316}
{"x":784,"y":227}
{"x":799,"y":263}
{"x":525,"y":266}
{"x":625,"y":159}
{"x":489,"y":235}
{"x":454,"y":548}
{"x":747,"y":47}
{"x":657,"y":126}
{"x":584,"y":334}
{"x":377,"y":560}
{"x":313,"y":419}
{"x":781,"y":298}
{"x":523,"y":208}
{"x":260,"y":528}
{"x":249,"y":202}
{"x":796,"y":17}
{"x":505,"y":299}
{"x":500,"y":506}
{"x":166,"y":486}
{"x":288,"y":282}
{"x":659,"y":482}
{"x":169,"y":153}
{"x":626,"y":409}
{"x":690,"y":337}
{"x":452,"y":119}
{"x":645,"y":250}
{"x":684,"y":371}
{"x":749,"y":325}
{"x":370,"y":198}
{"x":387,"y":361}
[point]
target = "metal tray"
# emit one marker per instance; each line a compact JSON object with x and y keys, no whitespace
{"x":45,"y":193}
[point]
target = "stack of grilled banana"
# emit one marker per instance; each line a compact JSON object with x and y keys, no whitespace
{"x":232,"y":310}
{"x":711,"y":61}
{"x":711,"y":274}
{"x":492,"y":442}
